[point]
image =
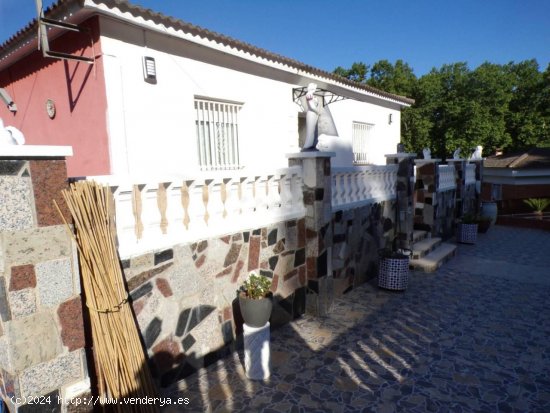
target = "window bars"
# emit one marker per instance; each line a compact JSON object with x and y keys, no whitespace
{"x":362,"y":135}
{"x":217,"y":125}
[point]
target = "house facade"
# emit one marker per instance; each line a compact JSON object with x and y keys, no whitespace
{"x":509,"y":179}
{"x":166,"y":96}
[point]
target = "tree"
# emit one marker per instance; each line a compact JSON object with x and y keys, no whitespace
{"x":495,"y":106}
{"x":357,"y":72}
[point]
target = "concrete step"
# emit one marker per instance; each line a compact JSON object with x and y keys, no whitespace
{"x":434,"y":259}
{"x":419,"y":235}
{"x":424,"y":247}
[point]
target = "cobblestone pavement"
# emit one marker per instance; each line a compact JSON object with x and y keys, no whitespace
{"x":472,"y":337}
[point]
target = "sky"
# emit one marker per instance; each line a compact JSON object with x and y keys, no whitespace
{"x":325,"y":34}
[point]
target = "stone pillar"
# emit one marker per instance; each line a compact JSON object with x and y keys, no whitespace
{"x":427,"y":183}
{"x":460,"y":168}
{"x":479,"y":183}
{"x":257,"y":352}
{"x":405,"y":196}
{"x":316,"y":169}
{"x":41,"y":325}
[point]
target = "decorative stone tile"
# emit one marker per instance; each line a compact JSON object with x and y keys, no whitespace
{"x":51,"y":375}
{"x":188,"y":342}
{"x":24,"y":334}
{"x":202,"y":246}
{"x":147,"y":275}
{"x":299,"y":257}
{"x":71,"y":322}
{"x":49,"y":178}
{"x":191,"y":317}
{"x":164,"y":287}
{"x":225,"y":272}
{"x":200,"y":261}
{"x":272,"y":237}
{"x":141,"y":291}
{"x":36,"y":245}
{"x":54,"y":281}
{"x":5,"y":312}
{"x":22,"y":302}
{"x":152,"y":332}
{"x":142,"y":261}
{"x":238,"y":271}
{"x":279,"y":247}
{"x":163,"y":256}
{"x":166,"y":354}
{"x":254,"y":253}
{"x":16,"y":208}
{"x":22,"y":276}
{"x":232,"y":255}
{"x":273,"y":262}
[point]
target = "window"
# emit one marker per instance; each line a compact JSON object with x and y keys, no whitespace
{"x":217,"y":126}
{"x":496,"y":192}
{"x":361,"y":135}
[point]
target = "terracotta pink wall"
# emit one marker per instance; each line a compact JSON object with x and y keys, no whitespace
{"x":78,"y":90}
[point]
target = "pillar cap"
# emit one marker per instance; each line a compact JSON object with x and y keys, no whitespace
{"x":311,"y":154}
{"x":401,"y":155}
{"x":35,"y":151}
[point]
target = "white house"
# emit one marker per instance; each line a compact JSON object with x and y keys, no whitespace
{"x":159,"y":94}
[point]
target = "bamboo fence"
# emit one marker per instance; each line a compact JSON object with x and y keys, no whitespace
{"x":122,"y":370}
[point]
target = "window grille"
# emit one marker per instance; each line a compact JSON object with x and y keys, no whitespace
{"x":217,"y":125}
{"x":496,"y":192}
{"x":362,"y":135}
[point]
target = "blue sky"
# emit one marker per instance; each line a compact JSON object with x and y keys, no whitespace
{"x":326,"y":34}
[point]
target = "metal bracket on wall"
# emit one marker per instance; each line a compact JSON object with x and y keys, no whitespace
{"x":43,"y":43}
{"x":327,"y":96}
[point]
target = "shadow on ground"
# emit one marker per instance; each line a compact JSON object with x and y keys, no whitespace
{"x":471,"y":337}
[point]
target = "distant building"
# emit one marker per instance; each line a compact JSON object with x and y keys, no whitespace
{"x":509,"y":179}
{"x":164,"y":96}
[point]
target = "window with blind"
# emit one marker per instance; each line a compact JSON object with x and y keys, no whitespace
{"x":217,"y":125}
{"x":362,"y":135}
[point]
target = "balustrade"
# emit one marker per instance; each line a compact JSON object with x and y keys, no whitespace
{"x":363,"y":184}
{"x":470,"y":177}
{"x":447,"y":178}
{"x":153,"y":215}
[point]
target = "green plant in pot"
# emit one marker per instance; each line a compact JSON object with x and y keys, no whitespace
{"x":538,"y":205}
{"x":256,"y":300}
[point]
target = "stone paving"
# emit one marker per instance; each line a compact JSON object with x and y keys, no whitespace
{"x":471,"y":337}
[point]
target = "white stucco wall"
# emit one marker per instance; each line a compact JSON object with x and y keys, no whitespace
{"x":152,"y":126}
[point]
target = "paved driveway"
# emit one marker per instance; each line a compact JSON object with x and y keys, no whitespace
{"x":472,"y":337}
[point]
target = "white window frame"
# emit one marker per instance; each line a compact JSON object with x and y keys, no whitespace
{"x":217,"y":132}
{"x":362,"y":136}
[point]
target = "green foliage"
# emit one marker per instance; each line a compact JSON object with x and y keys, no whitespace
{"x":538,"y":204}
{"x":256,"y":287}
{"x":495,"y":106}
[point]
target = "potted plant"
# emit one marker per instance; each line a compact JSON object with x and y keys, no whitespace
{"x":256,"y":300}
{"x":483,"y":223}
{"x":466,"y":231}
{"x":393,"y":270}
{"x":538,"y":205}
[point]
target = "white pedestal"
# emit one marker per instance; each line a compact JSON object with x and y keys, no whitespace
{"x":257,"y":352}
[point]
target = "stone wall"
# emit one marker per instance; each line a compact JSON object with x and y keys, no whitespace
{"x":184,"y":298}
{"x":41,"y":328}
{"x":359,"y":234}
{"x":438,"y":210}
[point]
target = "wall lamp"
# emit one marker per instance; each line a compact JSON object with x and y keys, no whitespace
{"x":390,"y":119}
{"x":149,"y":70}
{"x":12,"y":107}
